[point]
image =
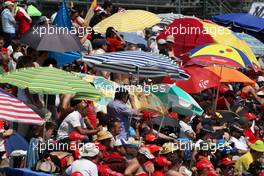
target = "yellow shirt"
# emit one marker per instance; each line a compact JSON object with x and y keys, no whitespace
{"x":243,"y":162}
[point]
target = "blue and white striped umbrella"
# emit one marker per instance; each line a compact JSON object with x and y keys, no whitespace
{"x":256,"y":45}
{"x":168,"y":18}
{"x":143,"y":64}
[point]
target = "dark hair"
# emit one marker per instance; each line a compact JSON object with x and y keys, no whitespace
{"x":15,"y":44}
{"x":74,"y":102}
{"x":111,"y":123}
{"x":30,"y":50}
{"x":1,"y":38}
{"x":109,"y":32}
{"x":50,"y":61}
{"x":102,"y":117}
{"x":24,"y":61}
{"x":229,"y":93}
{"x":107,"y":4}
{"x":121,"y":93}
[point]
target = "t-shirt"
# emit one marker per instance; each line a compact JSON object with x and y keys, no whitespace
{"x":242,"y":164}
{"x":72,"y":121}
{"x":184,"y":128}
{"x":120,"y":110}
{"x":84,"y":166}
{"x":114,"y":44}
{"x":8,"y":22}
{"x":24,"y":21}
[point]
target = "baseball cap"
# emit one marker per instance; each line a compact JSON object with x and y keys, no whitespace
{"x":153,"y":148}
{"x":150,"y":137}
{"x":162,"y":161}
{"x":226,"y":161}
{"x":250,"y":116}
{"x":156,"y":29}
{"x":161,"y":41}
{"x":8,"y":3}
{"x":204,"y":164}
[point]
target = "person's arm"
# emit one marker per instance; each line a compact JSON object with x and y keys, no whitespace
{"x":133,"y":104}
{"x":85,"y":131}
{"x":224,"y":126}
{"x":131,"y":168}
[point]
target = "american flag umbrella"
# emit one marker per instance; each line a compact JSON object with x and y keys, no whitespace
{"x":13,"y":110}
{"x":139,"y":63}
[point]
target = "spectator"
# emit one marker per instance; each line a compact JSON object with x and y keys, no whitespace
{"x":8,"y":23}
{"x":23,"y":19}
{"x":114,"y":40}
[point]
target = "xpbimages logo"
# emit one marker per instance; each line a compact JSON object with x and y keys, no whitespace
{"x":50,"y":30}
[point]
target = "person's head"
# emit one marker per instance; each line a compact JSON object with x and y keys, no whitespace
{"x":184,"y":118}
{"x":114,"y":126}
{"x":257,"y":149}
{"x":50,"y":61}
{"x":105,"y":138}
{"x":31,"y":52}
{"x":99,"y":44}
{"x":16,"y":45}
{"x":110,"y":32}
{"x":131,"y":47}
{"x":170,"y":42}
{"x":49,"y":129}
{"x":227,"y":166}
{"x":229,"y":96}
{"x":122,"y":95}
{"x":79,"y":106}
{"x":108,"y":6}
{"x":74,"y":14}
{"x":24,"y":61}
{"x":89,"y":151}
{"x":2,"y":42}
{"x":162,"y":44}
{"x":9,"y":5}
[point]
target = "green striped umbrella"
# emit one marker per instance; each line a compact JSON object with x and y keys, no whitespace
{"x":49,"y":80}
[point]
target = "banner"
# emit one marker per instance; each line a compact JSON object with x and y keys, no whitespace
{"x":257,"y":9}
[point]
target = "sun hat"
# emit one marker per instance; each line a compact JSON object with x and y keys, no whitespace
{"x":145,"y":151}
{"x":226,"y":161}
{"x":258,"y":146}
{"x":102,"y":135}
{"x":170,"y":39}
{"x":161,"y":41}
{"x":168,"y":148}
{"x":8,"y":3}
{"x":89,"y":150}
{"x":250,"y":116}
{"x":156,"y":29}
{"x":150,"y":137}
{"x":131,"y":143}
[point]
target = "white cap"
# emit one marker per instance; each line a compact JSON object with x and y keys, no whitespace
{"x":156,"y":29}
{"x":260,"y":79}
{"x":89,"y":150}
{"x":161,"y":42}
{"x":8,"y":3}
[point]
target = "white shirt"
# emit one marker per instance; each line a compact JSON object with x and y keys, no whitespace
{"x":84,"y":166}
{"x":72,"y":121}
{"x":239,"y":143}
{"x":184,"y":128}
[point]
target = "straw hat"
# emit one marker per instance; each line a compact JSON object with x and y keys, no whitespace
{"x":170,"y":39}
{"x":102,"y":135}
{"x":89,"y":150}
{"x":258,"y":146}
{"x":168,"y":148}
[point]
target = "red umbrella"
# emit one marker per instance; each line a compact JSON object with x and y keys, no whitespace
{"x":200,"y":80}
{"x":188,"y":33}
{"x":12,"y":109}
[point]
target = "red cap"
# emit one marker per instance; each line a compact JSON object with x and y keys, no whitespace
{"x":223,"y":89}
{"x":105,"y":170}
{"x":147,"y":116}
{"x":226,"y":161}
{"x":173,"y":115}
{"x":162,"y":161}
{"x":100,"y":146}
{"x":150,"y":137}
{"x":153,"y":148}
{"x":158,"y":173}
{"x":75,"y":136}
{"x":250,"y":116}
{"x":204,"y":164}
{"x":77,"y":174}
{"x":212,"y":173}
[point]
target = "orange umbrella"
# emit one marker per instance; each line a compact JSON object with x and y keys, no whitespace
{"x":230,"y":75}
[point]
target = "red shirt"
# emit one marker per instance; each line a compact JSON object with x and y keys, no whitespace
{"x":250,"y":136}
{"x":91,"y":115}
{"x":24,"y":22}
{"x":5,"y":60}
{"x":114,"y":44}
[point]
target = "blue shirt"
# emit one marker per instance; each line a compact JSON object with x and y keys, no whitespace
{"x":8,"y":22}
{"x":119,"y":110}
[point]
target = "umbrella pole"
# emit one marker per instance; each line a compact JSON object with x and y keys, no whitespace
{"x":44,"y":125}
{"x":217,"y":93}
{"x":137,"y":75}
{"x":162,"y":120}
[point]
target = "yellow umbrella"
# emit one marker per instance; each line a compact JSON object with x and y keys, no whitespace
{"x":230,"y":75}
{"x":224,"y":36}
{"x":128,"y":21}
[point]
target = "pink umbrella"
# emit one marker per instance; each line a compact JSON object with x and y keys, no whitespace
{"x":13,"y":110}
{"x":200,"y":80}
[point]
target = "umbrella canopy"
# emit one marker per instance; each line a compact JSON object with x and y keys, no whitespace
{"x":241,"y":20}
{"x":256,"y":45}
{"x":13,"y":110}
{"x":51,"y":38}
{"x":201,"y":79}
{"x":177,"y":99}
{"x":230,"y":75}
{"x":216,"y":54}
{"x":48,"y":80}
{"x":166,"y":122}
{"x":168,"y":18}
{"x":128,"y":21}
{"x":227,"y":116}
{"x":132,"y":37}
{"x":138,"y":63}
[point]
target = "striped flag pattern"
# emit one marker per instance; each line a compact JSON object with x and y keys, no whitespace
{"x":13,"y":110}
{"x":90,"y":13}
{"x":144,"y":64}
